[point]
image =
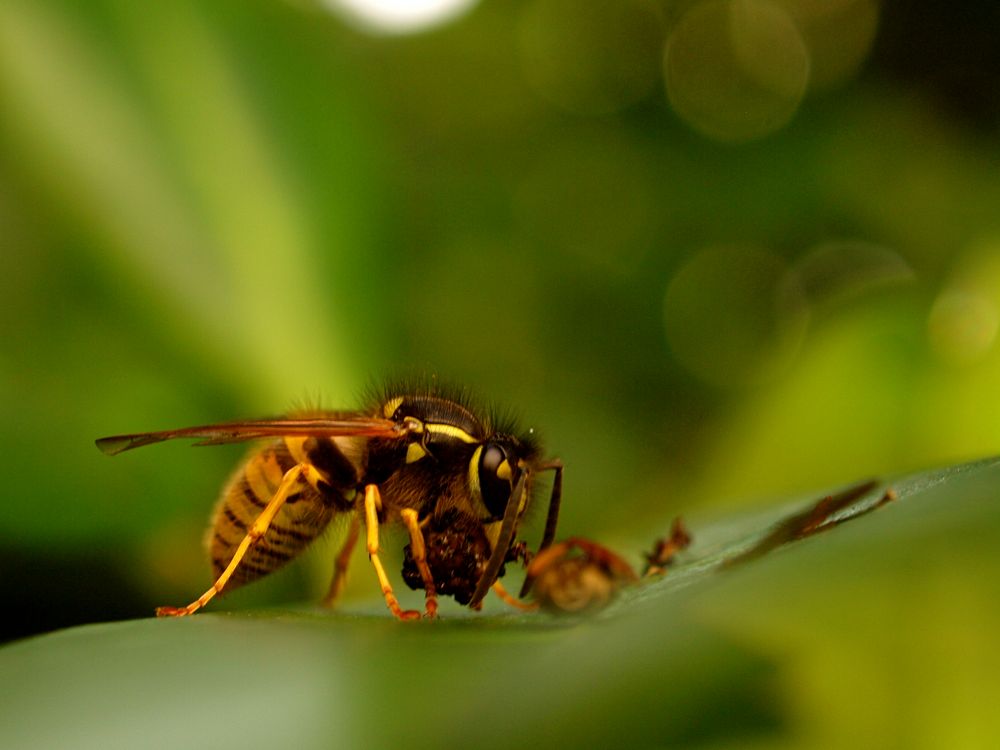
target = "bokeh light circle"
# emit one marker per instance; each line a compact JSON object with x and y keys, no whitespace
{"x":735,"y":316}
{"x":964,"y":321}
{"x":962,"y":326}
{"x":837,"y":270}
{"x":736,"y":70}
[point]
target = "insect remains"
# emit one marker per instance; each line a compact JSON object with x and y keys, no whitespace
{"x":579,"y":575}
{"x":457,"y":553}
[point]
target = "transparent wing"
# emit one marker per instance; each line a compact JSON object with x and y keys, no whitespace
{"x":235,"y":432}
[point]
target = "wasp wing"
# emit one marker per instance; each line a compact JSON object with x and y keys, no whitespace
{"x":235,"y":432}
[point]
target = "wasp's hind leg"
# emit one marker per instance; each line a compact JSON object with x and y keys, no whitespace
{"x":373,"y":502}
{"x":254,"y":533}
{"x":342,"y":562}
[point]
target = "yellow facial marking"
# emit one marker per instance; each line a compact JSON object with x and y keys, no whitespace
{"x":474,"y":474}
{"x":414,"y":452}
{"x":504,"y":472}
{"x":390,"y":408}
{"x":450,"y":431}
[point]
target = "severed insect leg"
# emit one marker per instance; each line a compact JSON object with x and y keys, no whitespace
{"x":507,"y":598}
{"x":664,"y":550}
{"x":373,"y":502}
{"x":419,"y":551}
{"x":255,"y":532}
{"x":342,"y":562}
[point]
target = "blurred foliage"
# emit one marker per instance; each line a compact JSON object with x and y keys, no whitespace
{"x":714,"y":250}
{"x":878,"y":633}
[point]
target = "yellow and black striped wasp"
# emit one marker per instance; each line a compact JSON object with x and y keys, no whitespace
{"x":457,"y":481}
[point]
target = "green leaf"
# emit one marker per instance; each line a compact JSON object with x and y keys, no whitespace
{"x":881,"y":631}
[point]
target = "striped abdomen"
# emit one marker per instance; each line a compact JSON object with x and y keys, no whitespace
{"x":305,"y":514}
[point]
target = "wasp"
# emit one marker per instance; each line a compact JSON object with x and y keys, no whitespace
{"x":425,"y":459}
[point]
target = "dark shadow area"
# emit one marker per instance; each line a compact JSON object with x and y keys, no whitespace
{"x":45,"y":592}
{"x":948,"y":50}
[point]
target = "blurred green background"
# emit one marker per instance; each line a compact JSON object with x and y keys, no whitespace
{"x":713,"y":251}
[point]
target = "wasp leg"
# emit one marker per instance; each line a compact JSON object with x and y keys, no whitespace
{"x":419,"y":551}
{"x":500,"y":591}
{"x":342,"y":562}
{"x":259,"y":528}
{"x":373,"y":502}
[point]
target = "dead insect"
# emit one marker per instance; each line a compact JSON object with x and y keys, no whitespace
{"x":579,"y":575}
{"x":458,"y":481}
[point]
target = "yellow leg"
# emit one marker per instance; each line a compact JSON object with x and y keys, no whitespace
{"x":372,"y":504}
{"x":255,"y":532}
{"x":419,"y":551}
{"x":500,"y":591}
{"x":342,"y":562}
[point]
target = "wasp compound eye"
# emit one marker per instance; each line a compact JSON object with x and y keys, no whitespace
{"x":496,"y":478}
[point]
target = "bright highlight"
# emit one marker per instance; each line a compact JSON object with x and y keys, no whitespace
{"x":399,"y":16}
